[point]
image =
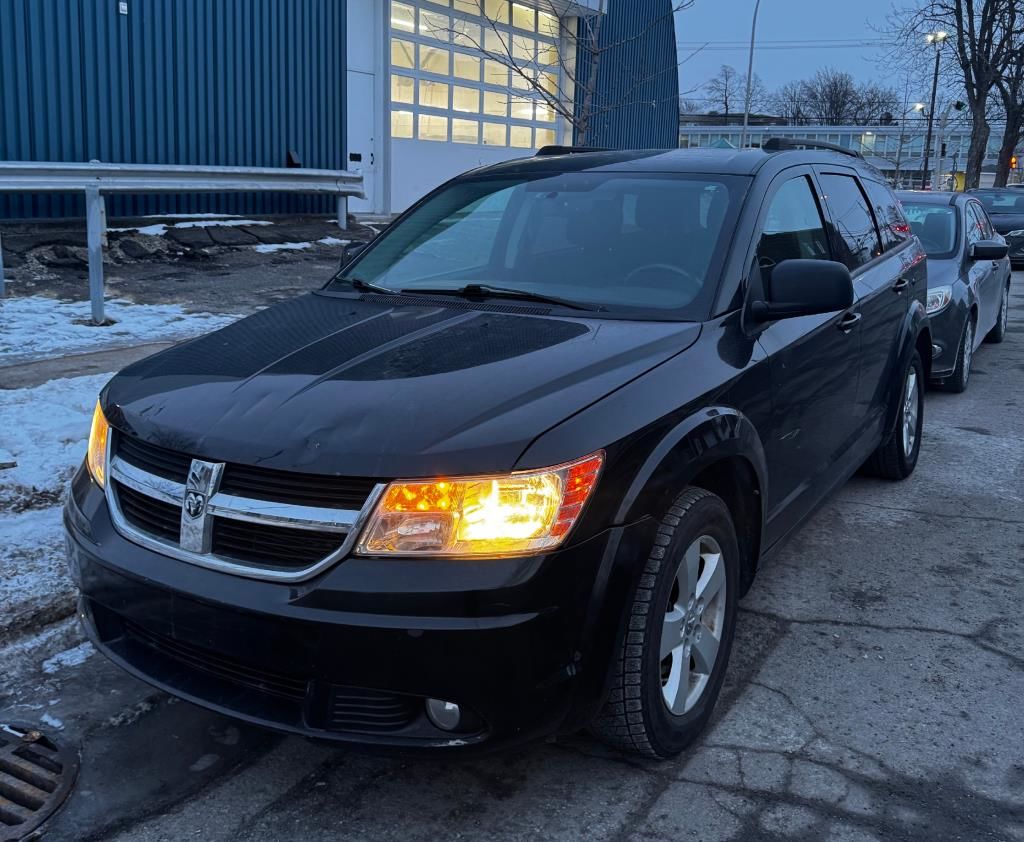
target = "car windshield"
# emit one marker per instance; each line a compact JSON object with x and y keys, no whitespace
{"x":1003,"y":201}
{"x":613,"y":242}
{"x":935,"y":226}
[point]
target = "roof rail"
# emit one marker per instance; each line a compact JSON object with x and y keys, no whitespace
{"x":568,"y":150}
{"x":782,"y":144}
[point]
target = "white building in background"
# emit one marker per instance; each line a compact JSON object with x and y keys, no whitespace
{"x":424,"y":103}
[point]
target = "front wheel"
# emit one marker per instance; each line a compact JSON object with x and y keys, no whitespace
{"x":679,"y":630}
{"x":896,"y":457}
{"x":998,"y":333}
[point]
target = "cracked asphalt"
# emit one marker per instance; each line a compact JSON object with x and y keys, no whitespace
{"x":875,"y":693}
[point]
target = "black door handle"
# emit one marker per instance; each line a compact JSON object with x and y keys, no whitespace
{"x":848,"y":322}
{"x":900,"y":285}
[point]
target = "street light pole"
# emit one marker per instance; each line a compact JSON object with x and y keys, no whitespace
{"x":936,"y":39}
{"x":750,"y":77}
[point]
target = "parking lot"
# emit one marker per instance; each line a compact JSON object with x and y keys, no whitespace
{"x":874,"y":693}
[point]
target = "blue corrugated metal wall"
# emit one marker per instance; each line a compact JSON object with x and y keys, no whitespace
{"x":636,"y":102}
{"x":235,"y":82}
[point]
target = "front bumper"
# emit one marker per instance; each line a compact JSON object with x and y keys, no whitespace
{"x":947,"y":328}
{"x":353,"y":654}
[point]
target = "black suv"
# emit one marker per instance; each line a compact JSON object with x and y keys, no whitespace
{"x":509,"y":472}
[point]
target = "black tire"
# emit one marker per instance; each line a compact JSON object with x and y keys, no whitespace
{"x":891,"y":460}
{"x":960,"y":377}
{"x":998,"y":333}
{"x":635,"y":716}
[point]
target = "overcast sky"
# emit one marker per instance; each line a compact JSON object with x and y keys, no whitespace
{"x":807,"y":35}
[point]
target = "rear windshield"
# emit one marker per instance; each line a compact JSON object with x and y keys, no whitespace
{"x":1009,"y":201}
{"x":935,"y":226}
{"x":625,"y":243}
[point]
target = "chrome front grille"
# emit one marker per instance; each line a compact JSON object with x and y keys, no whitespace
{"x":224,"y":516}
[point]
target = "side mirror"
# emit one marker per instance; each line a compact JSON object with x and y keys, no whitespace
{"x":350,"y":252}
{"x":804,"y":288}
{"x":989,"y":250}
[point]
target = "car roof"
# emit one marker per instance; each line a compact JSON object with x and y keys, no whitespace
{"x":703,"y":160}
{"x":931,"y":197}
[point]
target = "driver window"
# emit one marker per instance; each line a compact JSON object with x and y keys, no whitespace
{"x":793,"y":227}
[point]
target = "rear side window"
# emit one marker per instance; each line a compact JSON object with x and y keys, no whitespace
{"x":892,"y":225}
{"x":856,"y":235}
{"x":793,"y":227}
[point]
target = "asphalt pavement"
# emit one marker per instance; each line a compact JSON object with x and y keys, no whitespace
{"x":875,"y":693}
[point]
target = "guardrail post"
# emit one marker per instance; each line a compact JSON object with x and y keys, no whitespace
{"x":3,"y":281}
{"x":94,"y":229}
{"x":343,"y":212}
{"x":103,"y":221}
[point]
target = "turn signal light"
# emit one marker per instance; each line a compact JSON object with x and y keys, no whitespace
{"x":97,"y":456}
{"x":501,"y":515}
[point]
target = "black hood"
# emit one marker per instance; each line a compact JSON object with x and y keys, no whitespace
{"x":342,"y":385}
{"x":1006,"y":222}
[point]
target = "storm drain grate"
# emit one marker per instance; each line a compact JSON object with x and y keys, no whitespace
{"x":36,"y":776}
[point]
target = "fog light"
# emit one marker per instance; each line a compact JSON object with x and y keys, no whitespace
{"x":445,"y":715}
{"x":936,"y":350}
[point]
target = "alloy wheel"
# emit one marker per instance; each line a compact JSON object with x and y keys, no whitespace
{"x":968,"y":352}
{"x":910,"y":411}
{"x":691,"y":632}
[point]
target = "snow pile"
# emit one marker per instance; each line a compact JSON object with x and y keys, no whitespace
{"x":45,"y":430}
{"x":159,"y":229}
{"x":69,"y":658}
{"x":35,"y":328}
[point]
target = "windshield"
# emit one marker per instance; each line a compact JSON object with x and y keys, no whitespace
{"x":935,"y":226}
{"x":616,"y":242}
{"x":1007,"y":201}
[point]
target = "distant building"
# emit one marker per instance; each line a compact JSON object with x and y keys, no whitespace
{"x":896,"y":150}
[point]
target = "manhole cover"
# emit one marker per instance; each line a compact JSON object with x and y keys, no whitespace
{"x":36,"y":776}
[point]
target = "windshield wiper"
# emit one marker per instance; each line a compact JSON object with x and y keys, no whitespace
{"x":365,"y":286}
{"x":486,"y":291}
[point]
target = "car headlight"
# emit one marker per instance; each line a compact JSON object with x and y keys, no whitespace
{"x":938,"y":298}
{"x":1018,"y":233}
{"x":97,"y":456}
{"x":500,"y":515}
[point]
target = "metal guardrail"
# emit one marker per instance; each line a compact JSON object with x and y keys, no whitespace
{"x":96,"y":179}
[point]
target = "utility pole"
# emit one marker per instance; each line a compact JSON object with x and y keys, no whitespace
{"x":750,"y":77}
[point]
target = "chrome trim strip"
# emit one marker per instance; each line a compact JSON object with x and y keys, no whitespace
{"x":227,"y":505}
{"x":165,"y":490}
{"x":282,"y":514}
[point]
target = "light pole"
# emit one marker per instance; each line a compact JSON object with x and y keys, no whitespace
{"x":750,"y":77}
{"x":936,"y":39}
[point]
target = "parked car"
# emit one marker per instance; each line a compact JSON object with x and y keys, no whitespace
{"x":509,"y":472}
{"x":968,"y":279}
{"x":1005,"y":208}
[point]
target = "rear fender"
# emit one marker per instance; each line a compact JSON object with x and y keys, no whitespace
{"x":915,"y":334}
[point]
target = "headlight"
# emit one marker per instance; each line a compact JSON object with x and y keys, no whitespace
{"x":97,"y":456}
{"x":1018,"y":233}
{"x":938,"y":298}
{"x":509,"y":514}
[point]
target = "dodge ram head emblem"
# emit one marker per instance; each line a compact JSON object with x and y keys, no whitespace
{"x":195,"y":504}
{"x":196,"y":521}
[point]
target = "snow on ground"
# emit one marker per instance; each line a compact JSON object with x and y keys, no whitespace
{"x":159,"y":229}
{"x":69,"y":658}
{"x":45,"y":429}
{"x":35,"y":328}
{"x":270,"y":248}
{"x":34,"y":585}
{"x":191,"y":216}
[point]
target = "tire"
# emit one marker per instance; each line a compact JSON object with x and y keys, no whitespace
{"x":998,"y":333}
{"x":958,"y":380}
{"x":636,"y":716}
{"x":894,"y":459}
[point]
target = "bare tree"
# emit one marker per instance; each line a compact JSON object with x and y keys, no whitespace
{"x":566,"y":80}
{"x":983,"y":36}
{"x":830,"y":97}
{"x":1011,"y":92}
{"x":725,"y":90}
{"x":788,"y":103}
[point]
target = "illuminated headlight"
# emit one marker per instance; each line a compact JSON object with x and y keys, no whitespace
{"x":97,"y":456}
{"x":938,"y":298}
{"x":503,"y":515}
